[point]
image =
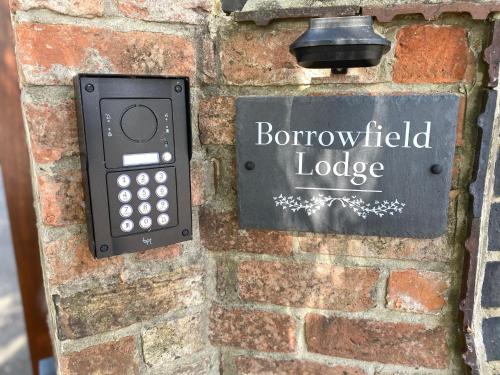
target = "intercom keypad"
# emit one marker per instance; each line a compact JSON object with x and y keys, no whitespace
{"x":135,"y":147}
{"x":142,"y":200}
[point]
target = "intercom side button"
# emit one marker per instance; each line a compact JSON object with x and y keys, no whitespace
{"x":167,"y":157}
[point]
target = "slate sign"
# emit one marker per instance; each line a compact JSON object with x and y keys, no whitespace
{"x":370,"y":165}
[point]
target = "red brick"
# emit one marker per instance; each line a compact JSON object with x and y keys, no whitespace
{"x":431,"y":54}
{"x":258,"y":330}
{"x":220,"y":232}
{"x":87,"y":8}
{"x":199,"y":177}
{"x":416,"y":291}
{"x":216,"y":120}
{"x":308,"y":285}
{"x":159,"y":254}
{"x":69,"y":259}
{"x":396,"y":343}
{"x":378,"y":247}
{"x":260,"y":366}
{"x":185,"y":11}
{"x":118,"y":357}
{"x":52,"y":54}
{"x":52,"y":130}
{"x":61,"y":197}
{"x":260,"y":57}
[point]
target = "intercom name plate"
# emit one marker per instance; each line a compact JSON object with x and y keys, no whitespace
{"x":135,"y":145}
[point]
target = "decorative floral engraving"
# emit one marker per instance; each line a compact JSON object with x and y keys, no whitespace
{"x":358,"y":205}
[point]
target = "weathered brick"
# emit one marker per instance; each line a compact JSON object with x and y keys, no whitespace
{"x":260,"y":56}
{"x":199,"y":177}
{"x":53,"y":54}
{"x":397,"y":343}
{"x":173,"y":341}
{"x":432,"y":54}
{"x":68,"y":259}
{"x":52,"y":130}
{"x":308,"y":285}
{"x":258,"y":330}
{"x":185,"y":11}
{"x":61,"y":197}
{"x":201,"y":367}
{"x":110,"y":358}
{"x":260,"y":366}
{"x":377,"y":247}
{"x":87,"y":8}
{"x":417,"y":291}
{"x":216,"y":120}
{"x":159,"y":254}
{"x":118,"y":305}
{"x":220,"y":232}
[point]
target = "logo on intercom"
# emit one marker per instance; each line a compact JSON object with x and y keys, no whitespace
{"x":147,"y":241}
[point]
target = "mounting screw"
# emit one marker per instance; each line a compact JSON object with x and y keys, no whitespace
{"x":185,"y":232}
{"x":89,"y":87}
{"x":178,"y":88}
{"x":250,"y":165}
{"x":436,"y":169}
{"x":103,"y":248}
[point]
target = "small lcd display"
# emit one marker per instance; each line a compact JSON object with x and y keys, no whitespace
{"x":130,"y":160}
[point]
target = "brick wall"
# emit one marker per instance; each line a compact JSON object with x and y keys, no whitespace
{"x":234,"y":301}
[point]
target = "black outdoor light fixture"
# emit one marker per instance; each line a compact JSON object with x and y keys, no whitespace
{"x":340,"y":43}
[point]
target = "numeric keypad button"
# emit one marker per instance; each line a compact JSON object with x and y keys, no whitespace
{"x":142,"y":179}
{"x":123,"y":181}
{"x":127,"y":225}
{"x":144,"y":208}
{"x":161,"y":177}
{"x":163,"y":219}
{"x":126,"y":210}
{"x":161,"y":191}
{"x":145,"y":222}
{"x":124,"y":196}
{"x":143,"y":193}
{"x":162,"y":205}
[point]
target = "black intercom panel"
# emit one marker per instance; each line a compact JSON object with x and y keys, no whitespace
{"x":135,"y":144}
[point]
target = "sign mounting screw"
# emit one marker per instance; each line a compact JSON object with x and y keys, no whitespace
{"x":436,"y":169}
{"x":89,"y":87}
{"x":249,"y":165}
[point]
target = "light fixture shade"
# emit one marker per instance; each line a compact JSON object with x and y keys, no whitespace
{"x":339,"y":43}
